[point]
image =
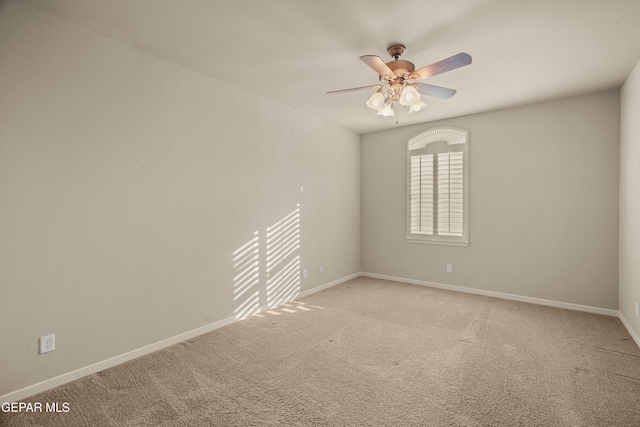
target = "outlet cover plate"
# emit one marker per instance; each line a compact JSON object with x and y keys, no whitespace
{"x":47,"y":343}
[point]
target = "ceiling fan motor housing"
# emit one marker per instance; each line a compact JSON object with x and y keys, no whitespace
{"x":399,"y":67}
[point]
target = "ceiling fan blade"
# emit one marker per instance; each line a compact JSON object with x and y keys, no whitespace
{"x":435,"y":91}
{"x":378,"y":65}
{"x":448,"y":64}
{"x":355,"y":88}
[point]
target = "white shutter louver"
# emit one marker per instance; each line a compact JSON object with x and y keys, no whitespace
{"x":421,"y":194}
{"x":450,"y":194}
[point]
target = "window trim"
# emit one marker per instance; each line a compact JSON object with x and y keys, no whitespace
{"x":454,"y":140}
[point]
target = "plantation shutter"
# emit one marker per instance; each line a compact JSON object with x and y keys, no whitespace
{"x":421,"y":194}
{"x":450,"y":194}
{"x":438,"y":187}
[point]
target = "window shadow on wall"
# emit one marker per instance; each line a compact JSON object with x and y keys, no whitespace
{"x":266,"y":269}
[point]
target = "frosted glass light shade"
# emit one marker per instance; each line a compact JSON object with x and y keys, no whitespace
{"x":409,"y":96}
{"x":420,"y":105}
{"x":376,"y":101}
{"x":387,"y":111}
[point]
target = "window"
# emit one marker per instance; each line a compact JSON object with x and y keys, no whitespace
{"x":438,"y":189}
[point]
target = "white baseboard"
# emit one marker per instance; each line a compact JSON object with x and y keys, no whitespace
{"x":40,"y":387}
{"x":539,"y":301}
{"x":111,"y":362}
{"x":328,"y":285}
{"x":627,"y":325}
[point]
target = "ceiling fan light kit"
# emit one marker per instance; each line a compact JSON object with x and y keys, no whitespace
{"x":400,"y":81}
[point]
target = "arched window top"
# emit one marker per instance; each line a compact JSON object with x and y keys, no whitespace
{"x":449,"y":135}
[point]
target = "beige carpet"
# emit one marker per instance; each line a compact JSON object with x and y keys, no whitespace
{"x":374,"y":353}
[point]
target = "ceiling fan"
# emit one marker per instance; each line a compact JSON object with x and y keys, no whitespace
{"x":400,"y":81}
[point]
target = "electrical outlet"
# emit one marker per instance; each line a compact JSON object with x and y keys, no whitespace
{"x":637,"y":309}
{"x":321,"y":268}
{"x":304,"y":273}
{"x":47,"y":343}
{"x":449,"y":268}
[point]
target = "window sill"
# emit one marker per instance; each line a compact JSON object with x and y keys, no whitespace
{"x":438,"y":242}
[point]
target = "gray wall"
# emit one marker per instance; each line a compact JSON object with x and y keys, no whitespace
{"x":544,"y":203}
{"x":138,"y":198}
{"x":630,"y":199}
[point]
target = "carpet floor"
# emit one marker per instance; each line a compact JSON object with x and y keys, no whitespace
{"x":371,"y":352}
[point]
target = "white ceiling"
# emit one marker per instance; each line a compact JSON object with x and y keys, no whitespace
{"x":294,"y":51}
